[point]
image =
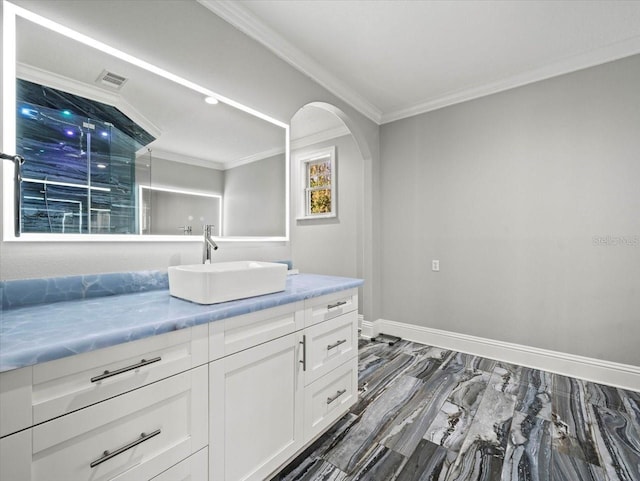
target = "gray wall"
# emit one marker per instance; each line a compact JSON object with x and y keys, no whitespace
{"x":178,"y":175}
{"x":331,"y":246}
{"x":254,"y":198}
{"x":508,"y":192}
{"x":170,"y":210}
{"x":172,"y":213}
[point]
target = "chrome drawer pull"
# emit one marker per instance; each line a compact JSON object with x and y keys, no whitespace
{"x":337,"y":304}
{"x":337,"y":395}
{"x":304,"y":353}
{"x":336,"y":344}
{"x":107,"y":374}
{"x":110,"y":454}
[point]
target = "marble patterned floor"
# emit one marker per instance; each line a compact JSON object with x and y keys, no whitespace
{"x":429,"y":414}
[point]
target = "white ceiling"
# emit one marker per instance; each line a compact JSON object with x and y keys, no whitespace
{"x":395,"y":58}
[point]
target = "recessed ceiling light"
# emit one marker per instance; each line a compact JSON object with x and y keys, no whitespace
{"x":211,"y":100}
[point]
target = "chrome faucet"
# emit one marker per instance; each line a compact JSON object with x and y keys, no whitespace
{"x":209,"y":245}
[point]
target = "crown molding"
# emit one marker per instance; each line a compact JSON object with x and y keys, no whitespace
{"x":254,"y":158}
{"x":250,"y":25}
{"x":567,"y":65}
{"x":319,"y":137}
{"x":66,"y":84}
{"x":185,"y":159}
{"x":211,"y":164}
{"x":89,"y":91}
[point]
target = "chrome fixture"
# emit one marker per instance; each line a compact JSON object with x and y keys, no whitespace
{"x":339,"y":393}
{"x":209,"y":245}
{"x":132,"y":367}
{"x":18,"y":161}
{"x":107,"y":455}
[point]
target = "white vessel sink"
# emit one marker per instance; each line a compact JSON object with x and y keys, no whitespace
{"x":226,"y":281}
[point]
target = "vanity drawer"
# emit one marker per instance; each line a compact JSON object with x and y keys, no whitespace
{"x":323,"y":308}
{"x":236,"y":334}
{"x":68,"y":384}
{"x":194,"y":468}
{"x":131,"y":437}
{"x":329,"y":344}
{"x":329,"y":398}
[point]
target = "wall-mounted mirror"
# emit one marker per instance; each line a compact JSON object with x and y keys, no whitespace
{"x":120,"y":149}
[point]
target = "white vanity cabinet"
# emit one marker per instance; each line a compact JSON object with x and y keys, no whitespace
{"x":272,"y":396}
{"x":15,"y":456}
{"x":234,"y":399}
{"x":127,"y":412}
{"x":131,"y":437}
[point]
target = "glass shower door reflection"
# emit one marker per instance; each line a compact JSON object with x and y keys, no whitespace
{"x":78,"y":175}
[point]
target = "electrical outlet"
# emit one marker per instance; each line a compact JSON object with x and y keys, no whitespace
{"x":435,"y":265}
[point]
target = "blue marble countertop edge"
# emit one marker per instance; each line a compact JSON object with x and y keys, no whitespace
{"x":38,"y":333}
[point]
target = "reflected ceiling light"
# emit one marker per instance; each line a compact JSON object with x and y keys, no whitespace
{"x":27,"y":112}
{"x":211,"y":100}
{"x":101,"y":166}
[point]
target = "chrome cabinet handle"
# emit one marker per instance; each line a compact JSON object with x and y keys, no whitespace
{"x":110,"y":454}
{"x":304,"y":353}
{"x":336,"y":344}
{"x":336,"y":396}
{"x":337,"y":304}
{"x":143,"y":362}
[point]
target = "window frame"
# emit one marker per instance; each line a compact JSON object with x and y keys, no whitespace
{"x":305,"y":161}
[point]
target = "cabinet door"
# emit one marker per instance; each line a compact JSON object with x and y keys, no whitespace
{"x":256,"y":410}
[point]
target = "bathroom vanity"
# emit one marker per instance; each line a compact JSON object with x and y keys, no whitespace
{"x":140,"y":386}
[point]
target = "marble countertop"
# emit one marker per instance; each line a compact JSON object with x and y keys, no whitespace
{"x":38,"y":333}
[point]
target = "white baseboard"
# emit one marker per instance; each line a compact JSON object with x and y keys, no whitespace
{"x":366,"y":327}
{"x":596,"y":370}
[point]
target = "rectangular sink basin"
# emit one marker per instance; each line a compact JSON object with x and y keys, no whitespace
{"x":226,"y":281}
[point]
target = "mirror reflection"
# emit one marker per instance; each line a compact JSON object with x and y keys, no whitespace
{"x":112,"y":148}
{"x":193,"y":208}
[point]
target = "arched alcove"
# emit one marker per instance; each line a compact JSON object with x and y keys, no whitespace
{"x":332,"y":245}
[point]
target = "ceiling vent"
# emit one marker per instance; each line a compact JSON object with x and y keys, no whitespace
{"x":111,"y":79}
